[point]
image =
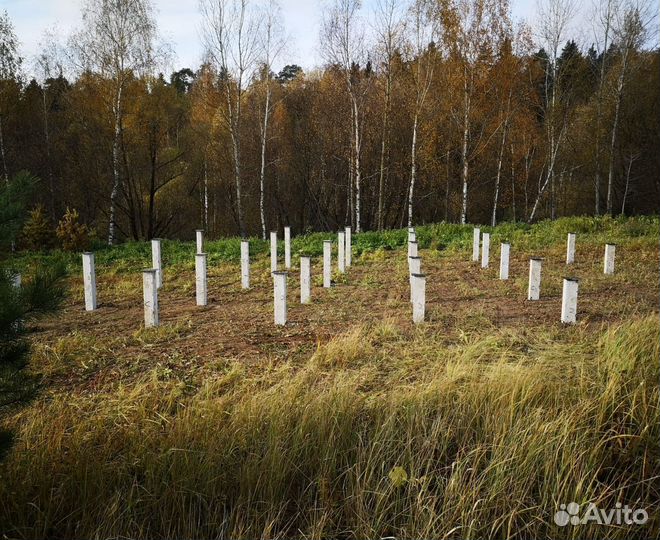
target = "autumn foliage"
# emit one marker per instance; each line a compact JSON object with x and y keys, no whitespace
{"x":462,"y":115}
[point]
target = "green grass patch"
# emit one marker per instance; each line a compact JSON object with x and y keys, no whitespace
{"x":133,"y":256}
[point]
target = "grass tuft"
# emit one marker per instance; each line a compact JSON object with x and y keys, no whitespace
{"x":477,"y":439}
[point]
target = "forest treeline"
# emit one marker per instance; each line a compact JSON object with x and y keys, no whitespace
{"x":424,"y":110}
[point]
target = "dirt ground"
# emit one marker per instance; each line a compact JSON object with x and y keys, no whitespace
{"x":102,"y":347}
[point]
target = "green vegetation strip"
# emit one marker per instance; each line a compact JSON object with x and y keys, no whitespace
{"x":133,"y":256}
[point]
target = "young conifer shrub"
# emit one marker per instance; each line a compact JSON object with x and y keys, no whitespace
{"x":73,"y":235}
{"x":37,"y":232}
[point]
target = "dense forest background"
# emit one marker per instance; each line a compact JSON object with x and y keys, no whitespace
{"x":423,"y":111}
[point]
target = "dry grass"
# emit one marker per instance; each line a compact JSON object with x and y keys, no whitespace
{"x":349,"y":422}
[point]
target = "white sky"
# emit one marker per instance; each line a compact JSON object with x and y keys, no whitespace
{"x":179,"y":23}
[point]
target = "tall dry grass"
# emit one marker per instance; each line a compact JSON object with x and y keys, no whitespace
{"x":379,"y":434}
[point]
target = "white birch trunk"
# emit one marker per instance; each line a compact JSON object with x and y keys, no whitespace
{"x":464,"y":149}
{"x":358,"y":176}
{"x":413,"y":170}
{"x":2,"y":154}
{"x":262,"y":171}
{"x":500,"y":158}
{"x":615,"y":125}
{"x":116,"y":180}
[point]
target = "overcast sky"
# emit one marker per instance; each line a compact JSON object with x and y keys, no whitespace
{"x":179,"y":23}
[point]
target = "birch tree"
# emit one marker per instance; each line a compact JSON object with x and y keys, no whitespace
{"x":48,"y":66}
{"x":629,"y":35}
{"x":630,"y":160}
{"x":272,"y":43}
{"x":603,"y":16}
{"x":471,"y":31}
{"x":554,"y":19}
{"x":118,"y":41}
{"x":506,"y":114}
{"x":231,"y":34}
{"x":423,"y":52}
{"x":389,"y":26}
{"x":510,"y":92}
{"x":342,"y":40}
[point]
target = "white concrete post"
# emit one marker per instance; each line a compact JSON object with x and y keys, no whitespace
{"x":412,"y":239}
{"x":419,"y":297}
{"x":414,"y":248}
{"x":485,"y":250}
{"x":534,"y":289}
{"x":569,"y":300}
{"x":413,"y":251}
{"x":327,"y":263}
{"x":608,"y":267}
{"x":156,"y":261}
{"x":305,"y":279}
{"x":273,"y":251}
{"x":279,"y":282}
{"x":505,"y":249}
{"x":199,"y":237}
{"x":341,"y":251}
{"x":89,"y":278}
{"x":16,"y":281}
{"x":349,"y":246}
{"x":412,"y":235}
{"x":200,"y":279}
{"x":245,"y":264}
{"x":570,"y":248}
{"x":150,"y":295}
{"x":415,"y":267}
{"x":287,"y":247}
{"x":476,"y":234}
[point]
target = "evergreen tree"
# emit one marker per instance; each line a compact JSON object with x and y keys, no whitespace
{"x":40,"y":292}
{"x":14,"y":197}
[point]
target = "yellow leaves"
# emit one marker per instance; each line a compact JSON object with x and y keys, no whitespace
{"x":398,"y":476}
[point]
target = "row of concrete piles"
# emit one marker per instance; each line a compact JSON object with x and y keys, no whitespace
{"x":570,"y":284}
{"x":344,"y":260}
{"x":152,"y":278}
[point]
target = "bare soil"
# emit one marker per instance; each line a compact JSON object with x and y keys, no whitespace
{"x":237,"y":325}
